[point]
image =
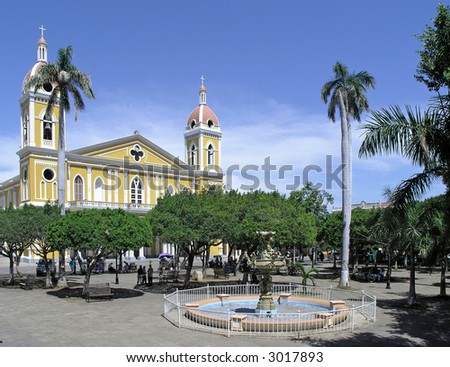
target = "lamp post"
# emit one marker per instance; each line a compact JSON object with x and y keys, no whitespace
{"x":117,"y":271}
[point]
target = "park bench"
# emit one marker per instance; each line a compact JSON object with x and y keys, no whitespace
{"x":26,"y":283}
{"x":220,"y":272}
{"x":167,"y":275}
{"x":99,"y":291}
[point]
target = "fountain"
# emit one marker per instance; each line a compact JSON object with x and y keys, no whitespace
{"x":298,"y":308}
{"x":265,"y":261}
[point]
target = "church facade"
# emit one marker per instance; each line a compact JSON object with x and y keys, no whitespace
{"x":130,"y":172}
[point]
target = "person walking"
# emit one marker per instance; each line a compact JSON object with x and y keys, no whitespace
{"x":139,"y":274}
{"x":150,"y":275}
{"x":144,"y":276}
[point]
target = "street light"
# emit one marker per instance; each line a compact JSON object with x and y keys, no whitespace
{"x":117,"y":271}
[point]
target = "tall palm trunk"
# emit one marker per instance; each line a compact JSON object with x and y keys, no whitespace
{"x":62,"y":280}
{"x":346,"y":191}
{"x":412,"y":280}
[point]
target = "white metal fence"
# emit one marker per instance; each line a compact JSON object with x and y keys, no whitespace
{"x":360,"y":310}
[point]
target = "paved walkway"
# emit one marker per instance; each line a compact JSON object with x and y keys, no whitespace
{"x":34,"y":318}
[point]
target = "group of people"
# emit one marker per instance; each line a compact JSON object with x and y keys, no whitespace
{"x":144,"y":275}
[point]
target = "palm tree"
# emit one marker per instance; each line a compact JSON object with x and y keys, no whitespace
{"x":346,"y":92}
{"x":67,"y":81}
{"x":422,"y":137}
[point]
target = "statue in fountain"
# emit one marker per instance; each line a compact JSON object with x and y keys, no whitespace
{"x":265,"y":260}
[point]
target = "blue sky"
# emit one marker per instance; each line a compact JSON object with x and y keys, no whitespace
{"x":264,"y":63}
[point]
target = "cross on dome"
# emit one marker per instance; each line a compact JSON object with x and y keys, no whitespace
{"x":42,"y":31}
{"x":203,"y":80}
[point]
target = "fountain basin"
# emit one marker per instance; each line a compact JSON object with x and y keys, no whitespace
{"x":290,"y":316}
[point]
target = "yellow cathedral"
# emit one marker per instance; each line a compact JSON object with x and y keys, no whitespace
{"x":130,"y":172}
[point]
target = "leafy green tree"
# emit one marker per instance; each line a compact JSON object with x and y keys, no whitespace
{"x":189,"y":221}
{"x":38,"y":219}
{"x":346,"y":93}
{"x":13,"y":237}
{"x":68,"y":83}
{"x":102,"y":232}
{"x":330,"y":232}
{"x":24,"y":229}
{"x":433,"y":219}
{"x":363,"y":221}
{"x":314,"y":202}
{"x":434,"y":66}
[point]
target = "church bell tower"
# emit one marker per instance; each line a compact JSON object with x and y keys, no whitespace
{"x":203,"y":136}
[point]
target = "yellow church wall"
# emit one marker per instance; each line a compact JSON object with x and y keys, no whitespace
{"x":42,"y":189}
{"x":122,"y":153}
{"x":10,"y":194}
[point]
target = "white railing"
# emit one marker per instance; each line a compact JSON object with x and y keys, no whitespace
{"x":85,"y":204}
{"x":360,"y":310}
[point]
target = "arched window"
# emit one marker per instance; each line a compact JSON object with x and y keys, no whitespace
{"x":99,"y":193}
{"x":48,"y":130}
{"x":25,"y":184}
{"x":192,"y":155}
{"x":170,"y":190}
{"x":78,"y":189}
{"x":25,"y":123}
{"x":136,"y":191}
{"x":210,"y":154}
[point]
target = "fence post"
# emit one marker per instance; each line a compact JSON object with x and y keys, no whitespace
{"x":229,"y":323}
{"x":179,"y":315}
{"x":299,"y":322}
{"x":353,"y":318}
{"x":374,"y":308}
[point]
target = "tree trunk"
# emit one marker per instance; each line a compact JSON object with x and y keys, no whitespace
{"x":443,"y":285}
{"x":388,"y":273}
{"x":87,"y":278}
{"x":346,"y":192}
{"x":62,"y":280}
{"x":187,"y":277}
{"x":62,"y":163}
{"x":11,"y":268}
{"x":48,"y":275}
{"x":17,"y":261}
{"x":412,"y":281}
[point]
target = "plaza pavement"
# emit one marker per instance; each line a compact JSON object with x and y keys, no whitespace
{"x":35,"y":319}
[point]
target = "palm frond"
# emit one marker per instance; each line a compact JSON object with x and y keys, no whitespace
{"x":413,"y":188}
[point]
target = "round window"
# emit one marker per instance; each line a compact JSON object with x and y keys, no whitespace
{"x":192,"y":124}
{"x":49,"y":174}
{"x":210,"y":124}
{"x":48,"y":87}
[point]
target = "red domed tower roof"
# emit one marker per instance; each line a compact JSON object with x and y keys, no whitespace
{"x":41,"y":58}
{"x":202,"y":114}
